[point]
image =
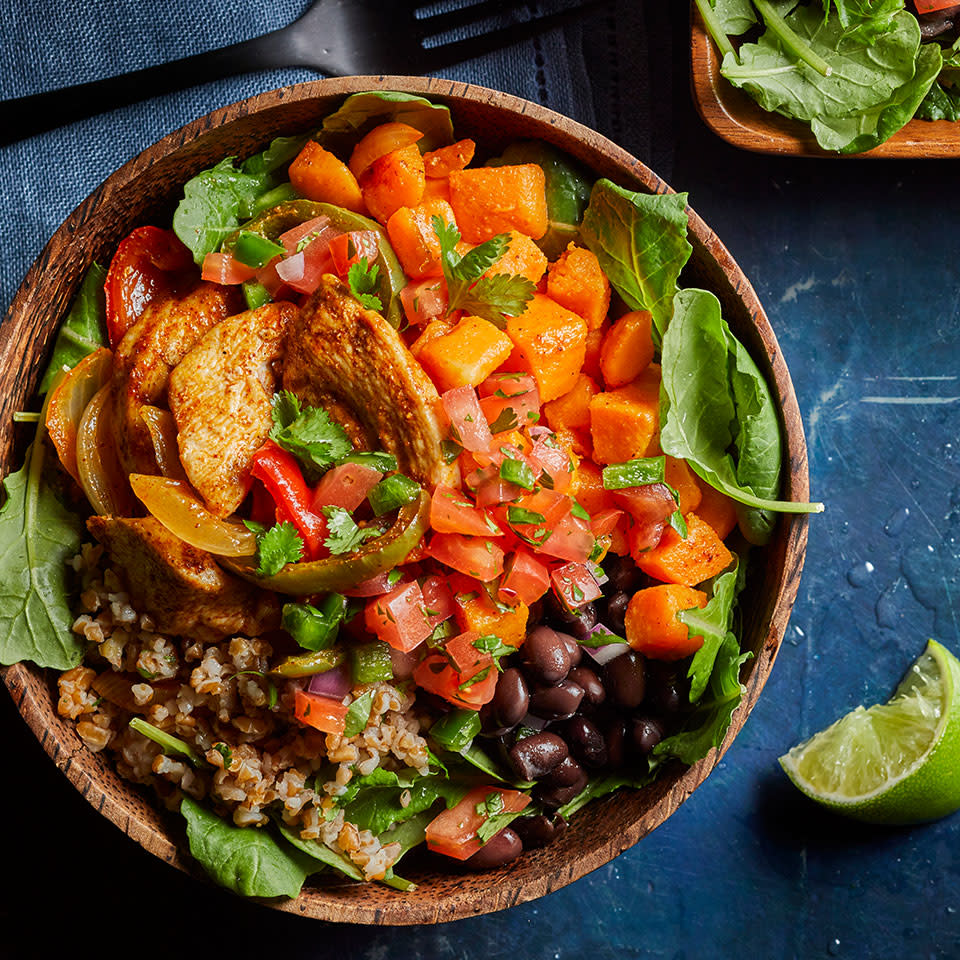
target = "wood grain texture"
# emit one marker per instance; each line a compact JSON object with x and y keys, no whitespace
{"x":735,"y":117}
{"x":145,"y":191}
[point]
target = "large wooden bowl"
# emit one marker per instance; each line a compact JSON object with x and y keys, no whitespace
{"x":146,"y":190}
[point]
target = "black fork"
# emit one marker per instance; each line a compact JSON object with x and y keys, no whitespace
{"x":335,"y":37}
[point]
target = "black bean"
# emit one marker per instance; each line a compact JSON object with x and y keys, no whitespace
{"x":583,"y":622}
{"x":535,"y":756}
{"x":551,"y":796}
{"x":625,"y":680}
{"x":511,"y":699}
{"x":539,"y":830}
{"x":556,"y":702}
{"x":646,"y":733}
{"x":593,"y":692}
{"x":563,"y":774}
{"x":669,"y":692}
{"x":616,"y":612}
{"x":614,"y":735}
{"x":622,"y":573}
{"x":574,"y":648}
{"x":586,"y":741}
{"x":501,"y":848}
{"x":546,"y":655}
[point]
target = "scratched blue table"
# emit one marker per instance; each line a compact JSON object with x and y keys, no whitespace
{"x":856,"y":264}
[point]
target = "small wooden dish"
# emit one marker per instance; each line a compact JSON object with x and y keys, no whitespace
{"x":739,"y":120}
{"x":145,"y":191}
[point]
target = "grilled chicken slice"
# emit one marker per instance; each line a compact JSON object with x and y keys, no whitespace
{"x":220,"y":395}
{"x":181,"y":587}
{"x":350,"y":361}
{"x":149,"y":350}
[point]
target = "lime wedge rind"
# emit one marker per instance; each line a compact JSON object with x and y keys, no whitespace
{"x":897,"y":762}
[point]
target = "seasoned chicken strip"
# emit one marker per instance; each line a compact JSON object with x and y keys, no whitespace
{"x":181,"y":587}
{"x":220,"y":395}
{"x":149,"y":350}
{"x":350,"y":361}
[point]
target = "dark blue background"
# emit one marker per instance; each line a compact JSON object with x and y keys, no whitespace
{"x":855,"y":262}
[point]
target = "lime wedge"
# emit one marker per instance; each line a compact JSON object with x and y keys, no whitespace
{"x":896,"y":762}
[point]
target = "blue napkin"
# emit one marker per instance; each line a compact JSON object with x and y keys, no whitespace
{"x":45,"y":45}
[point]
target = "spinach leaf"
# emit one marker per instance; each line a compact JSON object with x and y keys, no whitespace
{"x":710,"y":406}
{"x":84,"y":329}
{"x":864,"y":19}
{"x":641,"y":243}
{"x":247,"y":860}
{"x":567,"y":186}
{"x":38,"y":534}
{"x":713,"y":623}
{"x":319,"y":851}
{"x":216,"y":200}
{"x":869,"y":90}
{"x":708,"y":724}
{"x":361,"y":112}
{"x":733,"y":17}
{"x":940,"y":103}
{"x":600,"y":786}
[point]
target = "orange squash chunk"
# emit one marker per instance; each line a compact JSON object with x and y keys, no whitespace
{"x":379,"y":142}
{"x":522,"y":259}
{"x":474,"y":610}
{"x":414,"y":240}
{"x":716,"y":508}
{"x":550,"y":342}
{"x":627,"y":349}
{"x":588,"y":489}
{"x":436,"y":188}
{"x":652,"y":626}
{"x":625,"y":423}
{"x":572,"y":410}
{"x":442,"y":162}
{"x":320,"y":176}
{"x":689,"y":561}
{"x":591,"y":360}
{"x":393,"y":181}
{"x":433,"y":330}
{"x":576,"y":281}
{"x":468,"y":354}
{"x":684,"y":481}
{"x":492,"y":200}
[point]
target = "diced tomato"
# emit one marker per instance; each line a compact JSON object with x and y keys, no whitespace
{"x":650,"y":506}
{"x":302,"y":271}
{"x":575,"y":585}
{"x":464,"y":656}
{"x":323,"y":713}
{"x":605,"y":521}
{"x":300,"y":236}
{"x":931,"y":6}
{"x":477,"y":557}
{"x":345,"y":486}
{"x":147,"y":266}
{"x":348,"y":249}
{"x":452,"y":512}
{"x":435,"y":675}
{"x":437,"y":600}
{"x":424,"y":301}
{"x":513,"y":392}
{"x":281,"y":475}
{"x":551,"y":505}
{"x":548,"y":457}
{"x":468,"y":426}
{"x":526,"y":579}
{"x":571,"y":539}
{"x":222,"y":268}
{"x":399,"y":617}
{"x":453,"y":832}
{"x":378,"y":585}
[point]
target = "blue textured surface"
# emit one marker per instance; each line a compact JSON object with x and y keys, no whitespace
{"x":855,"y":262}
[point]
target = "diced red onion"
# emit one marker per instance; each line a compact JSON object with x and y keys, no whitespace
{"x":290,"y":269}
{"x":596,"y":571}
{"x":609,"y":651}
{"x":538,"y":431}
{"x":333,"y":683}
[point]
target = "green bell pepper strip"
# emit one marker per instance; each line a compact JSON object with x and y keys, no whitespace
{"x":392,"y":492}
{"x":313,"y":628}
{"x":371,"y":662}
{"x":307,"y":664}
{"x":339,"y":573}
{"x":285,"y":216}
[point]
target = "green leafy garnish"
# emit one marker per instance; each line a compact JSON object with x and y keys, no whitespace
{"x":276,"y":546}
{"x":506,"y":420}
{"x":225,"y":752}
{"x":363,"y":279}
{"x":491,"y":805}
{"x":358,"y":714}
{"x":497,"y":649}
{"x":492,"y":298}
{"x":308,"y":433}
{"x":523,"y":515}
{"x":517,"y":472}
{"x":170,"y":743}
{"x":344,"y":536}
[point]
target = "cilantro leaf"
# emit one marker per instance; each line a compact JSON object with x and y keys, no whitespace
{"x":492,"y":298}
{"x":507,"y":420}
{"x":344,"y":534}
{"x":493,"y":645}
{"x":363,"y":278}
{"x":308,"y":433}
{"x":276,"y":546}
{"x":358,"y":714}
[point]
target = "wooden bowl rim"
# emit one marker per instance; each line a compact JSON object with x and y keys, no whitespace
{"x":741,"y":121}
{"x":374,"y":904}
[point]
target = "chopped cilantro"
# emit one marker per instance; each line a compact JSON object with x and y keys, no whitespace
{"x":363,"y":278}
{"x":344,"y":534}
{"x":522,"y":515}
{"x":507,"y":420}
{"x":451,"y":450}
{"x":276,"y":547}
{"x":493,"y":645}
{"x":358,"y":714}
{"x":492,"y":298}
{"x":225,"y":752}
{"x":518,"y":472}
{"x":578,"y":511}
{"x":476,"y":678}
{"x":491,"y":805}
{"x":308,"y":433}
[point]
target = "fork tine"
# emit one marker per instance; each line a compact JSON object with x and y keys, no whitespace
{"x":461,"y":17}
{"x":446,"y":54}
